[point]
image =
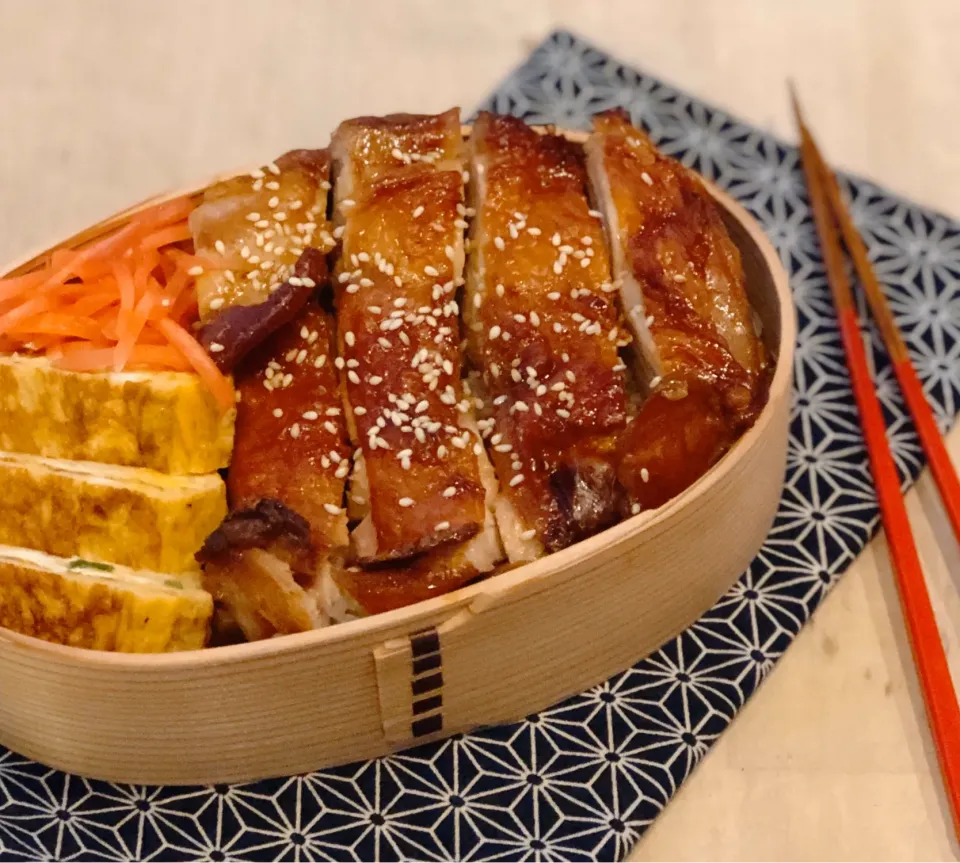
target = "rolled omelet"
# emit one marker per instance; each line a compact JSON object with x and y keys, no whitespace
{"x":165,"y":421}
{"x":99,"y":606}
{"x":122,"y":515}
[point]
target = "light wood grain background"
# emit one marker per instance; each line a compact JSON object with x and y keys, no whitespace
{"x":103,"y":102}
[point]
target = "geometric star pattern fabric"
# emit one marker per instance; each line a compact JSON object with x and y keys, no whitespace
{"x":583,"y":779}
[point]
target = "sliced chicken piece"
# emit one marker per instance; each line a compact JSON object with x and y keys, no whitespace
{"x":543,"y":328}
{"x":682,"y":285}
{"x":256,"y":226}
{"x":353,"y":591}
{"x":399,"y":200}
{"x":291,"y":441}
{"x":286,"y":483}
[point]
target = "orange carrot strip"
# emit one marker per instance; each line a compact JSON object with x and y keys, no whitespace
{"x":193,"y":352}
{"x":43,"y":343}
{"x":100,"y":252}
{"x":126,"y":282}
{"x":58,"y":324}
{"x":161,"y":215}
{"x":136,"y":324}
{"x":85,"y":359}
{"x":24,"y":311}
{"x":62,"y":258}
{"x":19,"y":285}
{"x":165,"y":236}
{"x":93,"y":359}
{"x":93,"y":303}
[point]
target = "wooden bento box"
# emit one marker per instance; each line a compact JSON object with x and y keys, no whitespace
{"x":491,"y":652}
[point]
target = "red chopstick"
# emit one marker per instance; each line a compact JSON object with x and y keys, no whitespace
{"x":940,"y":698}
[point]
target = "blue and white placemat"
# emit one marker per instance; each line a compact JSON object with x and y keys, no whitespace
{"x":584,"y":779}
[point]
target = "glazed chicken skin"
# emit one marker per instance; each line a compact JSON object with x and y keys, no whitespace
{"x":256,"y":226}
{"x":544,"y":329}
{"x":399,"y":200}
{"x":700,"y":361}
{"x":291,"y":442}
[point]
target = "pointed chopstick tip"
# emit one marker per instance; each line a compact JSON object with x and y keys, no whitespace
{"x":795,"y":103}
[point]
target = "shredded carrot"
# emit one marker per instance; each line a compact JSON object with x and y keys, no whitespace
{"x":194,"y":354}
{"x":125,"y":301}
{"x":93,"y":303}
{"x":173,"y":234}
{"x":93,"y":359}
{"x":19,"y":285}
{"x":57,"y":324}
{"x":22,"y":312}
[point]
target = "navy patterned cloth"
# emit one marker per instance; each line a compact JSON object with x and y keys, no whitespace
{"x":584,"y":779}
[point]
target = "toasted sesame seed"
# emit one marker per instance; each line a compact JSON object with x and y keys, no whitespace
{"x":655,"y":381}
{"x":215,"y":347}
{"x":500,"y":290}
{"x":516,"y":480}
{"x":534,"y":232}
{"x":563,"y":412}
{"x":353,"y":377}
{"x":431,"y":271}
{"x":350,"y":338}
{"x":406,"y":501}
{"x":449,"y":491}
{"x":443,"y":525}
{"x":528,"y":534}
{"x":646,"y":178}
{"x":553,"y":295}
{"x":359,"y":410}
{"x":195,"y":271}
{"x":295,"y":431}
{"x":634,"y":508}
{"x":679,"y":278}
{"x":348,"y":202}
{"x":333,"y":509}
{"x":215,"y":303}
{"x":418,"y":212}
{"x":319,"y":361}
{"x":277,"y":412}
{"x":644,"y":474}
{"x":499,"y":243}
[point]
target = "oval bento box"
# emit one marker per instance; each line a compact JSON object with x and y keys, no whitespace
{"x":491,"y":652}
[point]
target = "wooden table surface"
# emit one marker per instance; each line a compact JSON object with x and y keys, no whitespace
{"x":104,"y":102}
